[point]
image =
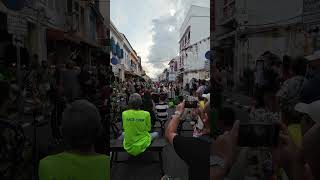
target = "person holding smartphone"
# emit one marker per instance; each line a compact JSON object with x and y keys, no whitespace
{"x":196,"y":155}
{"x":298,"y":163}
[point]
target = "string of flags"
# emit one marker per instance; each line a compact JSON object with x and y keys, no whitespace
{"x":196,"y":44}
{"x":191,"y":47}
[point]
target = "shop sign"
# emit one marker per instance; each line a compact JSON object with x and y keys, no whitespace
{"x":114,"y":61}
{"x":115,"y":70}
{"x":208,"y":55}
{"x":172,"y":77}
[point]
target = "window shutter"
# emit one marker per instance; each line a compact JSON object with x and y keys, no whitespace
{"x":121,"y":56}
{"x":113,"y":47}
{"x":117,"y":50}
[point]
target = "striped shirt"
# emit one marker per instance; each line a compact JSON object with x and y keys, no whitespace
{"x":161,"y":111}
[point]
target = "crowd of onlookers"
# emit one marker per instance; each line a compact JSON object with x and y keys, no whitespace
{"x":48,"y":91}
{"x":148,"y":103}
{"x":286,"y":94}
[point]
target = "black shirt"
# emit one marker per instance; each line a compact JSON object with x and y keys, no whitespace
{"x":196,"y":154}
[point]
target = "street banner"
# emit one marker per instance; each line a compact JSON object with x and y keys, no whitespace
{"x":172,"y":77}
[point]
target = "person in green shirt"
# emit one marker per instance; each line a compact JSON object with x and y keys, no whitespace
{"x":136,"y":125}
{"x":81,"y":126}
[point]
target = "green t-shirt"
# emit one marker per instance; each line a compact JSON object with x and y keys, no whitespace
{"x":294,"y":131}
{"x":136,"y":125}
{"x":70,"y":166}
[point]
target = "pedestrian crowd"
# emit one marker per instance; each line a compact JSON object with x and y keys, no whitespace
{"x":76,"y":98}
{"x":73,"y":98}
{"x":287,"y":96}
{"x":148,"y":103}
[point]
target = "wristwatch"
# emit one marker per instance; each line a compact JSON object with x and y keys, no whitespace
{"x":217,"y":161}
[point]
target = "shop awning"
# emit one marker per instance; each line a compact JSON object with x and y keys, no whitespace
{"x":90,"y":43}
{"x":55,"y":35}
{"x":72,"y":38}
{"x":60,"y":35}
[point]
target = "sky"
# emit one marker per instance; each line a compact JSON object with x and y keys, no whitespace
{"x":152,"y":28}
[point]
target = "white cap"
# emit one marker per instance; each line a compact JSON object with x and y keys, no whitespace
{"x":207,"y":96}
{"x":313,"y":57}
{"x":312,"y":109}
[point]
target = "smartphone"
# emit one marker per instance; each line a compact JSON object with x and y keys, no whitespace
{"x":258,"y":135}
{"x":191,"y":104}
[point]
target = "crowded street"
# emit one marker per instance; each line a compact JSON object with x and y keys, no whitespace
{"x":159,"y":90}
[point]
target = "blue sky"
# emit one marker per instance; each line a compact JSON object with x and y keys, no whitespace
{"x":152,"y":27}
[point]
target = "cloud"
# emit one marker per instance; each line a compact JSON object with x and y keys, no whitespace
{"x":165,"y":35}
{"x":164,"y":40}
{"x":152,"y":27}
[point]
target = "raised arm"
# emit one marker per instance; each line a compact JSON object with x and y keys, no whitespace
{"x":171,"y":130}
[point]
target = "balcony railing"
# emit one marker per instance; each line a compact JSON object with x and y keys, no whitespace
{"x":229,"y":11}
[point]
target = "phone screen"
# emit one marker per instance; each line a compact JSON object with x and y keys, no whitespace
{"x":258,"y":135}
{"x":191,"y":104}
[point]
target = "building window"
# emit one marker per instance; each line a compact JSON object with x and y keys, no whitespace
{"x":82,"y":19}
{"x":51,"y":4}
{"x":44,"y":2}
{"x":69,"y":6}
{"x":93,"y":25}
{"x":60,"y":6}
{"x":76,"y":16}
{"x":76,"y":7}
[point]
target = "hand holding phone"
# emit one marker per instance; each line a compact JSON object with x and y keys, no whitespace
{"x":258,"y":135}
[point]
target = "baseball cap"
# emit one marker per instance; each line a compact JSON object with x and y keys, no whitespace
{"x":313,"y":57}
{"x":207,"y":96}
{"x":312,"y":109}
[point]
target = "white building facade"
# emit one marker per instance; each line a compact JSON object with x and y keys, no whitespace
{"x":116,"y":56}
{"x":124,"y":60}
{"x":194,"y":44}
